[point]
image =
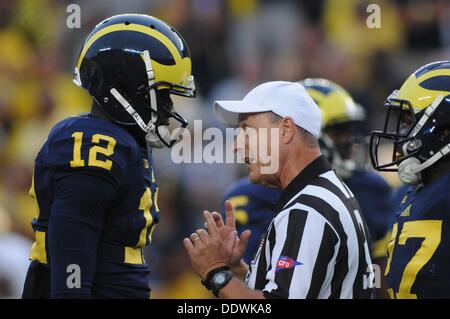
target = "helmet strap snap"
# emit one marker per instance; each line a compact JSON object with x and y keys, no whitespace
{"x":409,"y":170}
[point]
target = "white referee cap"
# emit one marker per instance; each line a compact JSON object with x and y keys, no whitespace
{"x":280,"y":97}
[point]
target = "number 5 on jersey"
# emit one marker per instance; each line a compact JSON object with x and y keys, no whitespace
{"x":77,"y":161}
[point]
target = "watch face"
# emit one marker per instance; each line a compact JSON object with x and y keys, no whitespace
{"x":219,"y":278}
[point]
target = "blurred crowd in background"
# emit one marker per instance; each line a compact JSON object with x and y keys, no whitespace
{"x":235,"y":45}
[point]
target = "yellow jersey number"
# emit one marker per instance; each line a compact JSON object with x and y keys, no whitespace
{"x":239,"y":202}
{"x":146,"y":199}
{"x":77,"y":161}
{"x":431,"y":232}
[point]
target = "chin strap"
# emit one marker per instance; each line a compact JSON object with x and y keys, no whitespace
{"x":127,"y":106}
{"x":433,"y":159}
{"x":409,"y":171}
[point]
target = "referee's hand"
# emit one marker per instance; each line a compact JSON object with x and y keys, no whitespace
{"x":206,"y":250}
{"x":226,"y":228}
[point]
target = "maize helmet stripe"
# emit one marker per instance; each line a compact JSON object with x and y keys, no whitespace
{"x":425,"y":84}
{"x":440,"y":65}
{"x":131,"y":27}
{"x":335,"y":102}
{"x":432,"y":74}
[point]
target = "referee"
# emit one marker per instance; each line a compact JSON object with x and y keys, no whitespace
{"x":316,"y":245}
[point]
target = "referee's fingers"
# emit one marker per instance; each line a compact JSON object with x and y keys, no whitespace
{"x":243,"y":241}
{"x":218,"y":219}
{"x":195,"y":239}
{"x":229,"y":210}
{"x":230,"y":241}
{"x":212,"y":228}
{"x":203,"y":234}
{"x":188,"y":246}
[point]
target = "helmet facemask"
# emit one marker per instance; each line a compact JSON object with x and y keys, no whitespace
{"x":328,"y":149}
{"x":159,"y":106}
{"x":163,"y":117}
{"x":349,"y":143}
{"x":400,"y":120}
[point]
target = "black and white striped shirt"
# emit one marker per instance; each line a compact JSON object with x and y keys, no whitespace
{"x":316,"y":246}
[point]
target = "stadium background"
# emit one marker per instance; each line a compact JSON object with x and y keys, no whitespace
{"x":235,"y":45}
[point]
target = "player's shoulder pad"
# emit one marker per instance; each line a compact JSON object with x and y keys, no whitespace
{"x":237,"y":187}
{"x":371,"y":179}
{"x":87,"y":142}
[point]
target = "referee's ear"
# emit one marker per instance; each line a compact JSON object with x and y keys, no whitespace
{"x":288,"y":130}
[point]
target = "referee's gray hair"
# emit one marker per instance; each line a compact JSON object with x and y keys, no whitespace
{"x":309,"y":139}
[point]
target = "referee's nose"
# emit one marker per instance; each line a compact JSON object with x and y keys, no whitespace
{"x":234,"y":146}
{"x":238,"y":144}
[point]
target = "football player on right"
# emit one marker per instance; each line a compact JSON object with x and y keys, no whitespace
{"x":418,"y":129}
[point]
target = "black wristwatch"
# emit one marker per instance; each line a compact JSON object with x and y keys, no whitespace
{"x":217,"y":279}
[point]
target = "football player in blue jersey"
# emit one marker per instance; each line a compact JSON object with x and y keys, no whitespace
{"x":93,"y":178}
{"x":342,"y":121}
{"x":417,"y":129}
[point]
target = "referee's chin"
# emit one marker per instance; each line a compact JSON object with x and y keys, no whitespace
{"x":254,"y":173}
{"x":256,"y":177}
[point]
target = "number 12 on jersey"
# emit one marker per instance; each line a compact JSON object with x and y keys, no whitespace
{"x":77,"y":161}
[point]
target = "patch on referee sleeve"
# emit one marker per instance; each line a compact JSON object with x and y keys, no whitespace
{"x":285,"y":262}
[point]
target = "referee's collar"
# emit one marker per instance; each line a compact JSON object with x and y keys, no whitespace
{"x":319,"y":166}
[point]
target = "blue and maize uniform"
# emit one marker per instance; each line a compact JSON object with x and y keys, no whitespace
{"x":375,"y":199}
{"x":96,"y":196}
{"x":398,"y":194}
{"x":253,"y":210}
{"x":419,"y":250}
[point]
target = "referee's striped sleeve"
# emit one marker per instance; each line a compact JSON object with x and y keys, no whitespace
{"x":297,"y":265}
